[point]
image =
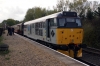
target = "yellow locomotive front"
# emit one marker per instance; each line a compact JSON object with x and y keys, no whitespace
{"x":70,"y":35}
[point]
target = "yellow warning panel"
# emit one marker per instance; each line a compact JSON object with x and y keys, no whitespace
{"x":64,"y":52}
{"x":79,"y":53}
{"x":71,"y":53}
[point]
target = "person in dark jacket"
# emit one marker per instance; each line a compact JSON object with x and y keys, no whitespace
{"x":13,"y":30}
{"x":9,"y":31}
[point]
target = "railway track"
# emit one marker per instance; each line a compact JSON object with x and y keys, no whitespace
{"x":83,"y":59}
{"x":91,"y":55}
{"x":92,"y":51}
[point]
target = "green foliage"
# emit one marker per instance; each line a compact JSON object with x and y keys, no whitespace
{"x":76,"y":5}
{"x":4,"y":52}
{"x":29,"y":15}
{"x":92,"y":33}
{"x":0,"y":24}
{"x":60,"y":5}
{"x":34,"y":13}
{"x":97,"y":13}
{"x":37,"y":12}
{"x":10,"y":22}
{"x":1,"y":38}
{"x":88,"y":28}
{"x":7,"y":58}
{"x":90,"y":14}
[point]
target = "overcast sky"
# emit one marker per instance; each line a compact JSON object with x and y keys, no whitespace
{"x":16,"y":9}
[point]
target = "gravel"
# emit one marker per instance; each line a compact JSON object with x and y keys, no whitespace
{"x":22,"y":53}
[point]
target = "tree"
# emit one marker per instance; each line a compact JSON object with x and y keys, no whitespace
{"x":17,"y":22}
{"x":0,"y":25}
{"x":34,"y":13}
{"x":29,"y":15}
{"x":60,"y":5}
{"x":97,"y":13}
{"x":37,"y":12}
{"x":10,"y":22}
{"x":77,"y":6}
{"x":90,"y":14}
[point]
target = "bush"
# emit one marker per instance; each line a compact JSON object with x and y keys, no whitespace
{"x":92,"y":34}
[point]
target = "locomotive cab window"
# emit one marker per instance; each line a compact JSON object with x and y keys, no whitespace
{"x":70,"y":19}
{"x":61,"y":22}
{"x":69,"y":22}
{"x":53,"y":22}
{"x":78,"y":21}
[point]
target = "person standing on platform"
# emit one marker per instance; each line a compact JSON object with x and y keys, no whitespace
{"x":8,"y":28}
{"x":10,"y":31}
{"x":13,"y":31}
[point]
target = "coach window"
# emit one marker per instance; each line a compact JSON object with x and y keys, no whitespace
{"x":37,"y":25}
{"x":43,"y":24}
{"x":32,"y":25}
{"x":41,"y":32}
{"x":40,"y":24}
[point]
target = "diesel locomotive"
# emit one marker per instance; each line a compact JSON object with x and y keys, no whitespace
{"x":61,"y":31}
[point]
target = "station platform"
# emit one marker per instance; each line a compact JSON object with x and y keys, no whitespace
{"x":26,"y":52}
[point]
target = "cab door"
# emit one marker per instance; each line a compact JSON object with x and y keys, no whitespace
{"x":48,"y":30}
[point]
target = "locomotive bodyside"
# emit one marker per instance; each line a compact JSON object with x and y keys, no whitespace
{"x":61,"y":31}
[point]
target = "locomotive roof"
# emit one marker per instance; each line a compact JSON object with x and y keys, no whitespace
{"x":42,"y":19}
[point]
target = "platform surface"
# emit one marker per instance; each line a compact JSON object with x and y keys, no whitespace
{"x":25,"y":52}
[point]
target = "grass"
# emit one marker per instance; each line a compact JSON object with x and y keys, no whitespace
{"x":7,"y":58}
{"x":0,"y":38}
{"x":3,"y":53}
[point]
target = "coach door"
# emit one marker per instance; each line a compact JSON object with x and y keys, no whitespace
{"x":48,"y":29}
